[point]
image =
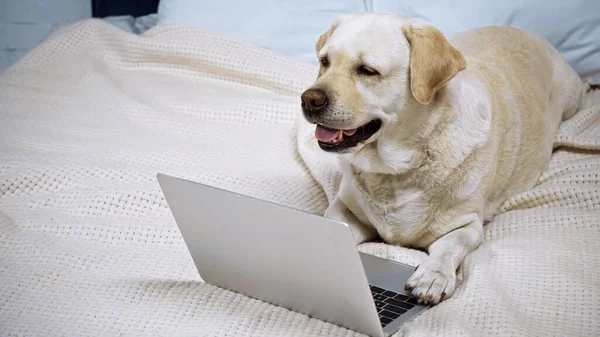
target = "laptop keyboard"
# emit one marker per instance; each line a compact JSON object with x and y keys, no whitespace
{"x":390,"y":305}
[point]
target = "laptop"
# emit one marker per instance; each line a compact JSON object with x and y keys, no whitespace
{"x":290,"y":258}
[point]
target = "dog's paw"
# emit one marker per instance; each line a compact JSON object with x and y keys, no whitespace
{"x":431,"y":282}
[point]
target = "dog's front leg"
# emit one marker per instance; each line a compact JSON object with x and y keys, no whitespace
{"x":435,"y":278}
{"x":340,"y":212}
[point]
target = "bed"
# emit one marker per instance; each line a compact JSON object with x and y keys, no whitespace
{"x":88,"y":246}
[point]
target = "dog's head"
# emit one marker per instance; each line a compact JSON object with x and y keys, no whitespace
{"x":372,"y":67}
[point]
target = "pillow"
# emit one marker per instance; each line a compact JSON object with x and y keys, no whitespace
{"x":573,"y":27}
{"x":290,"y":27}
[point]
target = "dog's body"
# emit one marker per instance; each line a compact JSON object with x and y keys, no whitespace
{"x":464,"y":125}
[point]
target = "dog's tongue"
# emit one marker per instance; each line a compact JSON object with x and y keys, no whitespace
{"x":326,"y":134}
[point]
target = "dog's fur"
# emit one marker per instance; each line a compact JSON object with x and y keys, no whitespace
{"x":466,"y":123}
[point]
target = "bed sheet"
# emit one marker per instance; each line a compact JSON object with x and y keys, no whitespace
{"x":132,"y":24}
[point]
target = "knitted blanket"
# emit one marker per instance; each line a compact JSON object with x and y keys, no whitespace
{"x":88,"y":246}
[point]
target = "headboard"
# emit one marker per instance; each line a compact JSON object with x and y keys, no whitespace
{"x":135,"y":8}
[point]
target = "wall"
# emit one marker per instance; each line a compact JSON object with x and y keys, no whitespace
{"x":24,"y":23}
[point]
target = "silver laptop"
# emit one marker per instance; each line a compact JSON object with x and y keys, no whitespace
{"x":293,"y":259}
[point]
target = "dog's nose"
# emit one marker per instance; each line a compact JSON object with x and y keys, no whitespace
{"x":313,"y":101}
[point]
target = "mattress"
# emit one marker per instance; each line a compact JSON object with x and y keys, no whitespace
{"x":88,"y":246}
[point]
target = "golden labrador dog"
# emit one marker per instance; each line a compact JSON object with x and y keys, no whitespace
{"x":434,"y":134}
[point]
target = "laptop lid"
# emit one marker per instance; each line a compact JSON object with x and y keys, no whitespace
{"x":276,"y":254}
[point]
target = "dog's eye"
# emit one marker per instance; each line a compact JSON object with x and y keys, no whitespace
{"x":364,"y":70}
{"x":324,"y":61}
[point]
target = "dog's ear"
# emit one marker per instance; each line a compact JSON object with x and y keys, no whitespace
{"x":433,"y":61}
{"x":325,"y":36}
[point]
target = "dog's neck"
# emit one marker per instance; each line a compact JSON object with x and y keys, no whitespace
{"x":402,"y":145}
{"x":451,"y":130}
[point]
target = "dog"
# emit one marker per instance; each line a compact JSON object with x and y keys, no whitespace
{"x":432,"y":133}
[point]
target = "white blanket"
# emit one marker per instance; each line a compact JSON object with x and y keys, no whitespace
{"x":88,"y":246}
